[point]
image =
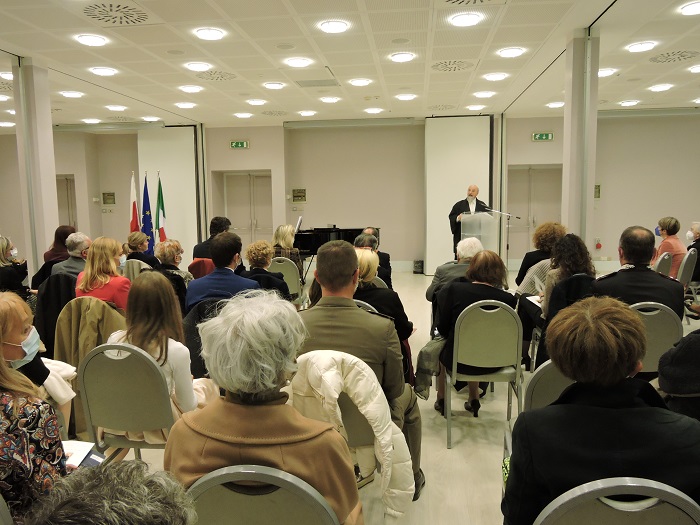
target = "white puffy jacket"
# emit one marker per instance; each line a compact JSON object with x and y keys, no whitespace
{"x":322,"y":376}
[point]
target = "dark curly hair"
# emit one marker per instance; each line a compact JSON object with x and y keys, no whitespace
{"x":547,"y":235}
{"x":571,"y":256}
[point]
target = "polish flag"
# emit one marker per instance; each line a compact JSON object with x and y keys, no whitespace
{"x":135,"y":223}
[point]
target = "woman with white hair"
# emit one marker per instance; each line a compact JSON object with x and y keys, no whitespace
{"x":250,"y":351}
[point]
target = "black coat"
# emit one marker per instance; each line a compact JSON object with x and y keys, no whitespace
{"x":696,"y":271}
{"x":54,"y":293}
{"x":387,"y":302}
{"x":150,"y":260}
{"x":530,"y":259}
{"x":202,"y":250}
{"x":269,"y":281}
{"x":456,"y":227}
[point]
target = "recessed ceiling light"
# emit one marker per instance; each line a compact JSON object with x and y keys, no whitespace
{"x":694,"y":69}
{"x":91,"y":120}
{"x":6,"y":124}
{"x":298,"y":61}
{"x":495,"y":77}
{"x":274,"y":85}
{"x":510,"y":52}
{"x":466,"y":19}
{"x":103,"y":71}
{"x":210,"y":33}
{"x":693,"y":8}
{"x":329,"y":100}
{"x":403,"y":56}
{"x":256,"y":101}
{"x":373,"y":111}
{"x":116,"y":108}
{"x":484,"y":94}
{"x":360,"y":82}
{"x":606,"y":72}
{"x":185,"y":105}
{"x":640,"y":47}
{"x":476,"y":107}
{"x":72,"y":94}
{"x":555,"y":105}
{"x":334,"y":26}
{"x":697,"y":101}
{"x":150,"y":119}
{"x":243,"y":115}
{"x":11,"y":111}
{"x":406,"y":96}
{"x":198,"y":66}
{"x":307,"y":113}
{"x":6,"y":75}
{"x":4,"y":98}
{"x":626,"y":103}
{"x":191,"y":89}
{"x":91,"y":40}
{"x":660,"y":87}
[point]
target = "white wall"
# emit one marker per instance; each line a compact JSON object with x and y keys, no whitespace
{"x":11,"y":223}
{"x":522,"y":151}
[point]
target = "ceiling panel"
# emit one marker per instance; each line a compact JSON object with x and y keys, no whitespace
{"x":271,"y":28}
{"x":398,"y":21}
{"x":240,"y":9}
{"x":170,"y":11}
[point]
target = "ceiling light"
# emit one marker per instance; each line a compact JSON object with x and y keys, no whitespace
{"x":243,"y":115}
{"x":606,"y":72}
{"x":640,"y":47}
{"x":256,"y":101}
{"x":334,"y":26}
{"x":298,"y":62}
{"x":476,"y":107}
{"x":307,"y":113}
{"x":510,"y":52}
{"x":185,"y":105}
{"x":103,"y":71}
{"x":210,"y":33}
{"x":91,"y":120}
{"x":495,"y":77}
{"x":694,"y":69}
{"x":11,"y":111}
{"x":555,"y":105}
{"x":626,"y":103}
{"x":6,"y":75}
{"x":697,"y":101}
{"x":116,"y":108}
{"x":406,"y":96}
{"x":484,"y":94}
{"x":360,"y":82}
{"x":690,"y":9}
{"x":402,"y":56}
{"x":191,"y":89}
{"x":198,"y":66}
{"x":6,"y":124}
{"x":660,"y":87}
{"x":4,"y":98}
{"x":274,"y":85}
{"x":91,"y":40}
{"x":373,"y":111}
{"x":466,"y":19}
{"x":150,"y":119}
{"x":72,"y":94}
{"x":329,"y":100}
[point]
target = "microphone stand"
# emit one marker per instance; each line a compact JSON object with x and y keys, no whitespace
{"x":508,"y":217}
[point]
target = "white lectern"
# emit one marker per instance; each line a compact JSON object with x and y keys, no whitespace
{"x":482,"y":226}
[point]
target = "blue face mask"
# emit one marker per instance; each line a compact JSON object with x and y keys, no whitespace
{"x":657,"y":231}
{"x":30,"y":346}
{"x":122,"y":260}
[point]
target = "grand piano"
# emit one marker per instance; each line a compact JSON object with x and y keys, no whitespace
{"x":309,"y":241}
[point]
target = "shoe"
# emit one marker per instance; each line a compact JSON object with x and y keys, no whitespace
{"x":361,"y":481}
{"x":420,"y":483}
{"x":483,"y":388}
{"x":440,"y":406}
{"x":473,"y":406}
{"x":692,"y":314}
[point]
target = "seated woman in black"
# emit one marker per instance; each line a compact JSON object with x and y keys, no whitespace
{"x":545,"y":237}
{"x":259,"y":255}
{"x":138,"y":244}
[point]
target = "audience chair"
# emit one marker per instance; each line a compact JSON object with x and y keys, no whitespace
{"x":663,"y":263}
{"x":5,"y":516}
{"x":592,"y":503}
{"x":545,"y":387}
{"x":124,"y":388}
{"x":43,"y":274}
{"x":379,"y":283}
{"x":53,"y":295}
{"x":256,"y":495}
{"x":358,"y":429}
{"x":487,"y":334}
{"x":664,"y":329}
{"x":201,"y":267}
{"x":133,"y":267}
{"x":685,"y":271}
{"x":365,"y":306}
{"x":290,"y":272}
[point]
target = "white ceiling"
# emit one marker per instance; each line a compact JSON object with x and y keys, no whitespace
{"x":150,"y":44}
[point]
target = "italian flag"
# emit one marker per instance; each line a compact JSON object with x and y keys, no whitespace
{"x":160,"y":213}
{"x":135,"y":225}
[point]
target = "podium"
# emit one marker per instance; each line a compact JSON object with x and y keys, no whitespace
{"x":482,"y":226}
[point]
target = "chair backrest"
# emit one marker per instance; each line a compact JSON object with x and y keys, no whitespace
{"x":252,"y":494}
{"x":379,"y":283}
{"x":664,"y":329}
{"x":488,"y":334}
{"x":133,"y":267}
{"x":663,"y":263}
{"x":123,"y":388}
{"x":687,"y":267}
{"x":290,"y":272}
{"x":5,"y":516}
{"x":200,"y":267}
{"x":365,"y":306}
{"x":545,"y":386}
{"x":591,"y":503}
{"x":358,"y":429}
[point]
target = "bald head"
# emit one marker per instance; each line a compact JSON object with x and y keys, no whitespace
{"x":636,"y":246}
{"x":472,"y":191}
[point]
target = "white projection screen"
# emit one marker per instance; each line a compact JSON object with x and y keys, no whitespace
{"x":457,"y":154}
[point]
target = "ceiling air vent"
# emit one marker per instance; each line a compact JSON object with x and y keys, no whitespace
{"x":450,"y":66}
{"x":674,"y":56}
{"x":120,"y":119}
{"x":274,"y":113}
{"x":442,"y":107}
{"x":476,"y":3}
{"x":323,"y":82}
{"x":116,"y":14}
{"x":5,"y":86}
{"x":216,"y":76}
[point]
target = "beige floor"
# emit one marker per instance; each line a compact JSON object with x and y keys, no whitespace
{"x":463,"y":483}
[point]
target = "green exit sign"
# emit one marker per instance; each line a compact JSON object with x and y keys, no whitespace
{"x":239,"y":144}
{"x":542,"y":137}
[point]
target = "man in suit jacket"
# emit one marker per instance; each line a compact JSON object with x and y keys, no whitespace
{"x":370,"y":242}
{"x":216,"y":226}
{"x":470,"y":205}
{"x":222,"y":283}
{"x":636,"y":282}
{"x":466,"y":249}
{"x":77,"y":244}
{"x":336,"y":323}
{"x":384,"y":258}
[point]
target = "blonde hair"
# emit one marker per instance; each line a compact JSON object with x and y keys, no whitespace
{"x":5,"y":244}
{"x":284,"y":236}
{"x":368,"y":262}
{"x":135,"y":240}
{"x":259,"y":254}
{"x":11,"y":380}
{"x":100,"y":266}
{"x":167,"y":250}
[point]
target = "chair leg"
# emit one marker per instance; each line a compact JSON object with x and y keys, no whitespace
{"x":448,"y":407}
{"x":137,"y":453}
{"x":510,"y":402}
{"x":492,"y":387}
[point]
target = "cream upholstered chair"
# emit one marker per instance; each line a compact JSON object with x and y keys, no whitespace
{"x":290,"y":272}
{"x":5,"y":517}
{"x":663,"y":263}
{"x":664,"y":329}
{"x":379,"y":283}
{"x":685,"y":270}
{"x":545,"y":386}
{"x":365,"y":306}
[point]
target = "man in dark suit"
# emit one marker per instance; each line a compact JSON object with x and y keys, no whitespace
{"x":384,"y":258}
{"x":216,"y":226}
{"x":470,"y":205}
{"x":336,"y":323}
{"x":366,"y":240}
{"x":636,"y":282}
{"x":222,"y":283}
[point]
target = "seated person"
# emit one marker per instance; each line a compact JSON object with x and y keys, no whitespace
{"x":78,"y":245}
{"x":608,"y":424}
{"x":216,"y":226}
{"x":250,"y":351}
{"x":169,"y":253}
{"x":679,"y":370}
{"x":445,"y":273}
{"x":370,"y":242}
{"x":384,"y":258}
{"x":545,"y":237}
{"x":138,"y":244}
{"x":667,"y":229}
{"x":283,"y":243}
{"x":100,"y":278}
{"x":123,"y":492}
{"x":259,"y":255}
{"x":693,"y":235}
{"x":13,"y":271}
{"x":58,"y":251}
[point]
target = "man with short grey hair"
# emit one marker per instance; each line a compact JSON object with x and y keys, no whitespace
{"x":78,"y":245}
{"x":466,"y":249}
